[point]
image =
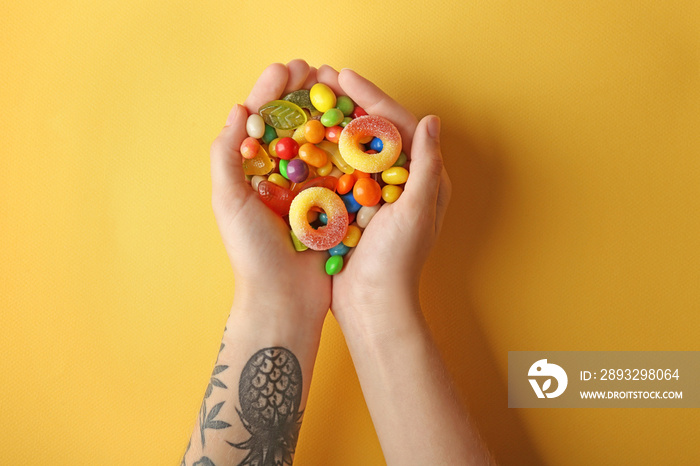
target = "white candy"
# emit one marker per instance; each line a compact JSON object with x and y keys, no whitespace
{"x":255,"y":181}
{"x":365,"y":214}
{"x":255,"y":126}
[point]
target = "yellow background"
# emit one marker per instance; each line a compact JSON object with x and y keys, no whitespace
{"x":572,"y":136}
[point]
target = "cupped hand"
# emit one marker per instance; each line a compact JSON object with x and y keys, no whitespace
{"x":268,"y":272}
{"x":387,"y":262}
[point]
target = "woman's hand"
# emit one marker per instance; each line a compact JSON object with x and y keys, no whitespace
{"x":258,"y":243}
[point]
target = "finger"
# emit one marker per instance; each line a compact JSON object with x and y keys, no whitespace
{"x":310,"y":79}
{"x":376,"y":102}
{"x":227,"y":178}
{"x":269,"y":86}
{"x":298,"y":71}
{"x":443,"y":199}
{"x":426,"y":164}
{"x":328,"y":76}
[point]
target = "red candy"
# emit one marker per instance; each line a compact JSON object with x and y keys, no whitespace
{"x":276,"y":197}
{"x":329,"y":182}
{"x":333,"y":133}
{"x":358,"y":112}
{"x":287,"y":148}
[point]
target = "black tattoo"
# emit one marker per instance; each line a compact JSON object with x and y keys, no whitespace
{"x":204,"y":461}
{"x":206,"y":420}
{"x":270,"y":394}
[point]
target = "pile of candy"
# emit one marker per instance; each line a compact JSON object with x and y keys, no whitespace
{"x":325,"y":166}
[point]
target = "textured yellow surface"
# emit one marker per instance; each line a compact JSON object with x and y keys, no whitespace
{"x":572,"y":135}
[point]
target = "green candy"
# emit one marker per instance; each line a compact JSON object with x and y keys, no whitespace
{"x":334,"y":264}
{"x":332,"y":117}
{"x":283,"y":167}
{"x":298,"y":245}
{"x":269,"y":135}
{"x":345,"y":105}
{"x":281,"y":114}
{"x":401,"y":161}
{"x":345,"y":122}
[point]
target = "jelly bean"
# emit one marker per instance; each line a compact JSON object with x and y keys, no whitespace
{"x":332,"y":117}
{"x":255,"y":126}
{"x":311,"y":154}
{"x":297,"y":170}
{"x":395,"y":175}
{"x":333,"y":134}
{"x":258,"y":165}
{"x":287,"y":148}
{"x":335,"y":172}
{"x":401,"y":161}
{"x":350,"y":203}
{"x":345,"y":184}
{"x":376,"y":144}
{"x":298,"y":245}
{"x":271,"y":147}
{"x":325,"y":170}
{"x":345,"y":105}
{"x":276,"y":197}
{"x":367,"y":192}
{"x":339,"y":250}
{"x":279,"y":180}
{"x":269,"y":134}
{"x":255,"y":181}
{"x":352,"y":237}
{"x":391,"y":193}
{"x":351,"y":217}
{"x":358,"y":112}
{"x":283,"y":167}
{"x":322,"y":97}
{"x":323,"y":218}
{"x":249,"y":147}
{"x":365,"y":214}
{"x":334,"y":154}
{"x":283,"y":114}
{"x":334,"y":264}
{"x":357,"y":174}
{"x":299,"y":136}
{"x":314,"y":131}
{"x":327,"y":182}
{"x":345,"y":122}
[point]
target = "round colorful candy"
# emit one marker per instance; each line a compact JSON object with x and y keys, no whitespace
{"x":395,"y":175}
{"x":339,"y":249}
{"x":391,"y":193}
{"x":334,"y":264}
{"x":250,"y":147}
{"x":324,"y":237}
{"x":287,"y":148}
{"x":322,"y":97}
{"x":350,"y":203}
{"x":255,"y":126}
{"x":370,"y":126}
{"x":345,"y":105}
{"x":365,"y":214}
{"x":297,"y":171}
{"x":367,"y":192}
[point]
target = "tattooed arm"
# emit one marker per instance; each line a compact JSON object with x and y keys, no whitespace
{"x":416,"y":414}
{"x":254,"y":402}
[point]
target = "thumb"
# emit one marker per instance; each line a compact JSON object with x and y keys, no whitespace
{"x":227,"y":177}
{"x":426,"y":163}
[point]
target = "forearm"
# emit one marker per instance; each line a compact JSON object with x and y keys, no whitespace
{"x":408,"y":391}
{"x":255,"y":399}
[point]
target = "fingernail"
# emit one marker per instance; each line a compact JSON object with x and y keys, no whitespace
{"x":434,"y":127}
{"x":346,"y":69}
{"x":233,"y":114}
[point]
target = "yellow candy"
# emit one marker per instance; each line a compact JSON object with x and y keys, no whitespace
{"x":299,"y":137}
{"x":326,"y":169}
{"x":279,"y":180}
{"x":322,"y":97}
{"x":352,"y":237}
{"x":284,"y":133}
{"x":334,"y":154}
{"x":258,"y":165}
{"x":298,"y":245}
{"x":271,"y":148}
{"x":391,"y":193}
{"x":395,"y":175}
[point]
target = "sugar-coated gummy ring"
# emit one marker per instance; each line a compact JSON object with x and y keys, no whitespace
{"x":364,"y":127}
{"x":326,"y":236}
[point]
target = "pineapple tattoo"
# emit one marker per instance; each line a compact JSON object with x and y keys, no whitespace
{"x":269,"y":393}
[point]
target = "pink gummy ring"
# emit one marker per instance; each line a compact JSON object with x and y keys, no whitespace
{"x":365,"y":127}
{"x":324,"y":237}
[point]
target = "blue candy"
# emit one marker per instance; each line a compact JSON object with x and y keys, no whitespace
{"x":350,"y":203}
{"x":339,"y":250}
{"x":323,"y":218}
{"x":376,"y":144}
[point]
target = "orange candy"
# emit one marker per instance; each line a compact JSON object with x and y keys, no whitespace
{"x":367,"y":192}
{"x":333,"y":133}
{"x":312,"y":155}
{"x":314,"y":131}
{"x":358,"y":174}
{"x":249,"y":148}
{"x":345,"y":184}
